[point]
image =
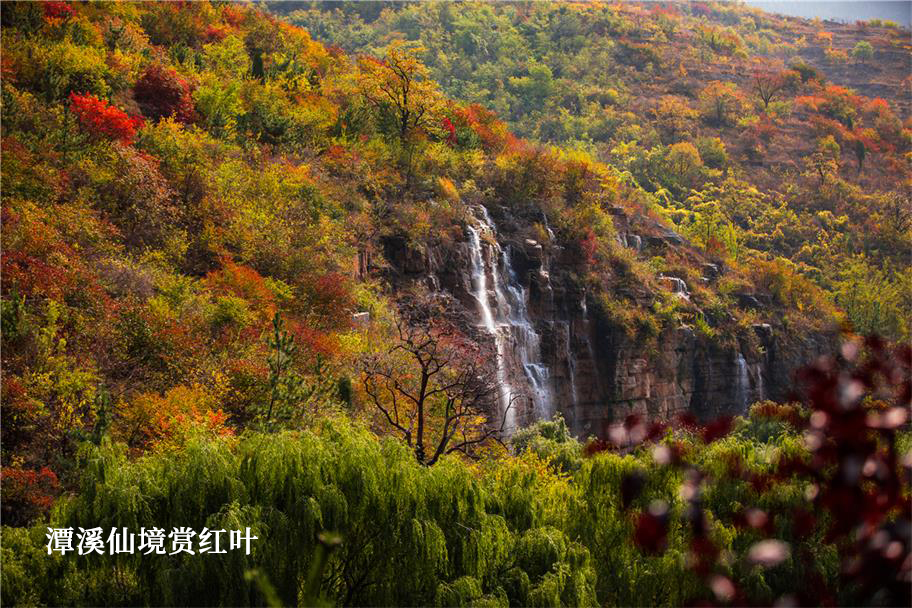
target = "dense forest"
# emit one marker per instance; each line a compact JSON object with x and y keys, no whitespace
{"x":456,"y":303}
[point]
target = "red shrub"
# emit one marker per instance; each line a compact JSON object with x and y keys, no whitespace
{"x":27,"y":494}
{"x":57,"y":10}
{"x":243,"y":282}
{"x":215,"y":33}
{"x":38,"y":262}
{"x":315,"y":341}
{"x":492,"y":132}
{"x":233,"y":15}
{"x":589,"y":246}
{"x":451,"y":131}
{"x":161,"y":92}
{"x":20,"y":413}
{"x":329,"y":300}
{"x":100,"y":119}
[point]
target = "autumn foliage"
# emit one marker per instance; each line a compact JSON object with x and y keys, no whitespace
{"x":210,"y":309}
{"x":162,"y":93}
{"x":57,"y":10}
{"x":100,"y":119}
{"x":27,"y":494}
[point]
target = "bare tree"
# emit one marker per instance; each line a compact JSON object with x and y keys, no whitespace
{"x":769,"y":79}
{"x":434,"y":384}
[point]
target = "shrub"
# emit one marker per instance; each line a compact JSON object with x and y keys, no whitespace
{"x":57,"y":69}
{"x":162,"y":93}
{"x":721,"y":103}
{"x":57,"y":10}
{"x":27,"y":494}
{"x":712,"y":151}
{"x":100,"y":119}
{"x":552,"y":441}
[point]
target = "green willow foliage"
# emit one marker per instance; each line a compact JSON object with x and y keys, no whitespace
{"x":517,"y":531}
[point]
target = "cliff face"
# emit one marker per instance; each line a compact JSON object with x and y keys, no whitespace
{"x":556,"y":353}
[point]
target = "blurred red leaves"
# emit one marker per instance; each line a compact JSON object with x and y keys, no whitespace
{"x":856,"y":485}
{"x":651,"y":533}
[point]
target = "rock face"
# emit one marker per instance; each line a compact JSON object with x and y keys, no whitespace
{"x":583,"y":366}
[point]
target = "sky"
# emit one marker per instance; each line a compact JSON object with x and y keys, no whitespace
{"x":899,"y":11}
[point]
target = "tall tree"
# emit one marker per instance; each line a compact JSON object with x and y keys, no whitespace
{"x":863,"y":51}
{"x":399,"y":83}
{"x":720,"y":103}
{"x":399,"y":87}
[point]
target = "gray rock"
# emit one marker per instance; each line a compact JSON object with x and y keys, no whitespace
{"x":711,"y":271}
{"x":748,"y":300}
{"x":764,"y":331}
{"x":533,"y":251}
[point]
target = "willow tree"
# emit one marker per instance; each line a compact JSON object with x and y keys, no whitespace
{"x":433,"y":385}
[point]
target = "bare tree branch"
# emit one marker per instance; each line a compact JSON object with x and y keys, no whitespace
{"x":443,"y":379}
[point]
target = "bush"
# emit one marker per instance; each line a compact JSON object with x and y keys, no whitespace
{"x":161,"y":93}
{"x":27,"y":494}
{"x":712,"y":151}
{"x":551,"y":441}
{"x":102,"y":120}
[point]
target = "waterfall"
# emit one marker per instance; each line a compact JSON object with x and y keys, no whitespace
{"x":756,"y":377}
{"x":571,"y":365}
{"x":760,"y":391}
{"x":551,"y":237}
{"x":678,"y":286}
{"x":480,"y":289}
{"x":742,"y":384}
{"x":589,"y":350}
{"x":517,"y":342}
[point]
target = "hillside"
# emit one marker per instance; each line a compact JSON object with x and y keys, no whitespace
{"x":212,"y":171}
{"x":756,"y":135}
{"x":427,"y":352}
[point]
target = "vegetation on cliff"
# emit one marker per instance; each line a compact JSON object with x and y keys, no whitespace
{"x":758,"y":136}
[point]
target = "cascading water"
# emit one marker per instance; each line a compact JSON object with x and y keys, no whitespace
{"x":579,"y":427}
{"x":742,"y":385}
{"x":480,"y":290}
{"x":758,"y":371}
{"x":527,"y":343}
{"x":508,"y":322}
{"x":571,"y":365}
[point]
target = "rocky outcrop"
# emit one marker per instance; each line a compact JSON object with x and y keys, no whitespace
{"x":595,"y":373}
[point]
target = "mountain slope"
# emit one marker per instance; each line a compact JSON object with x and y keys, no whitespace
{"x":757,"y":135}
{"x":253,"y":283}
{"x":190,"y":188}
